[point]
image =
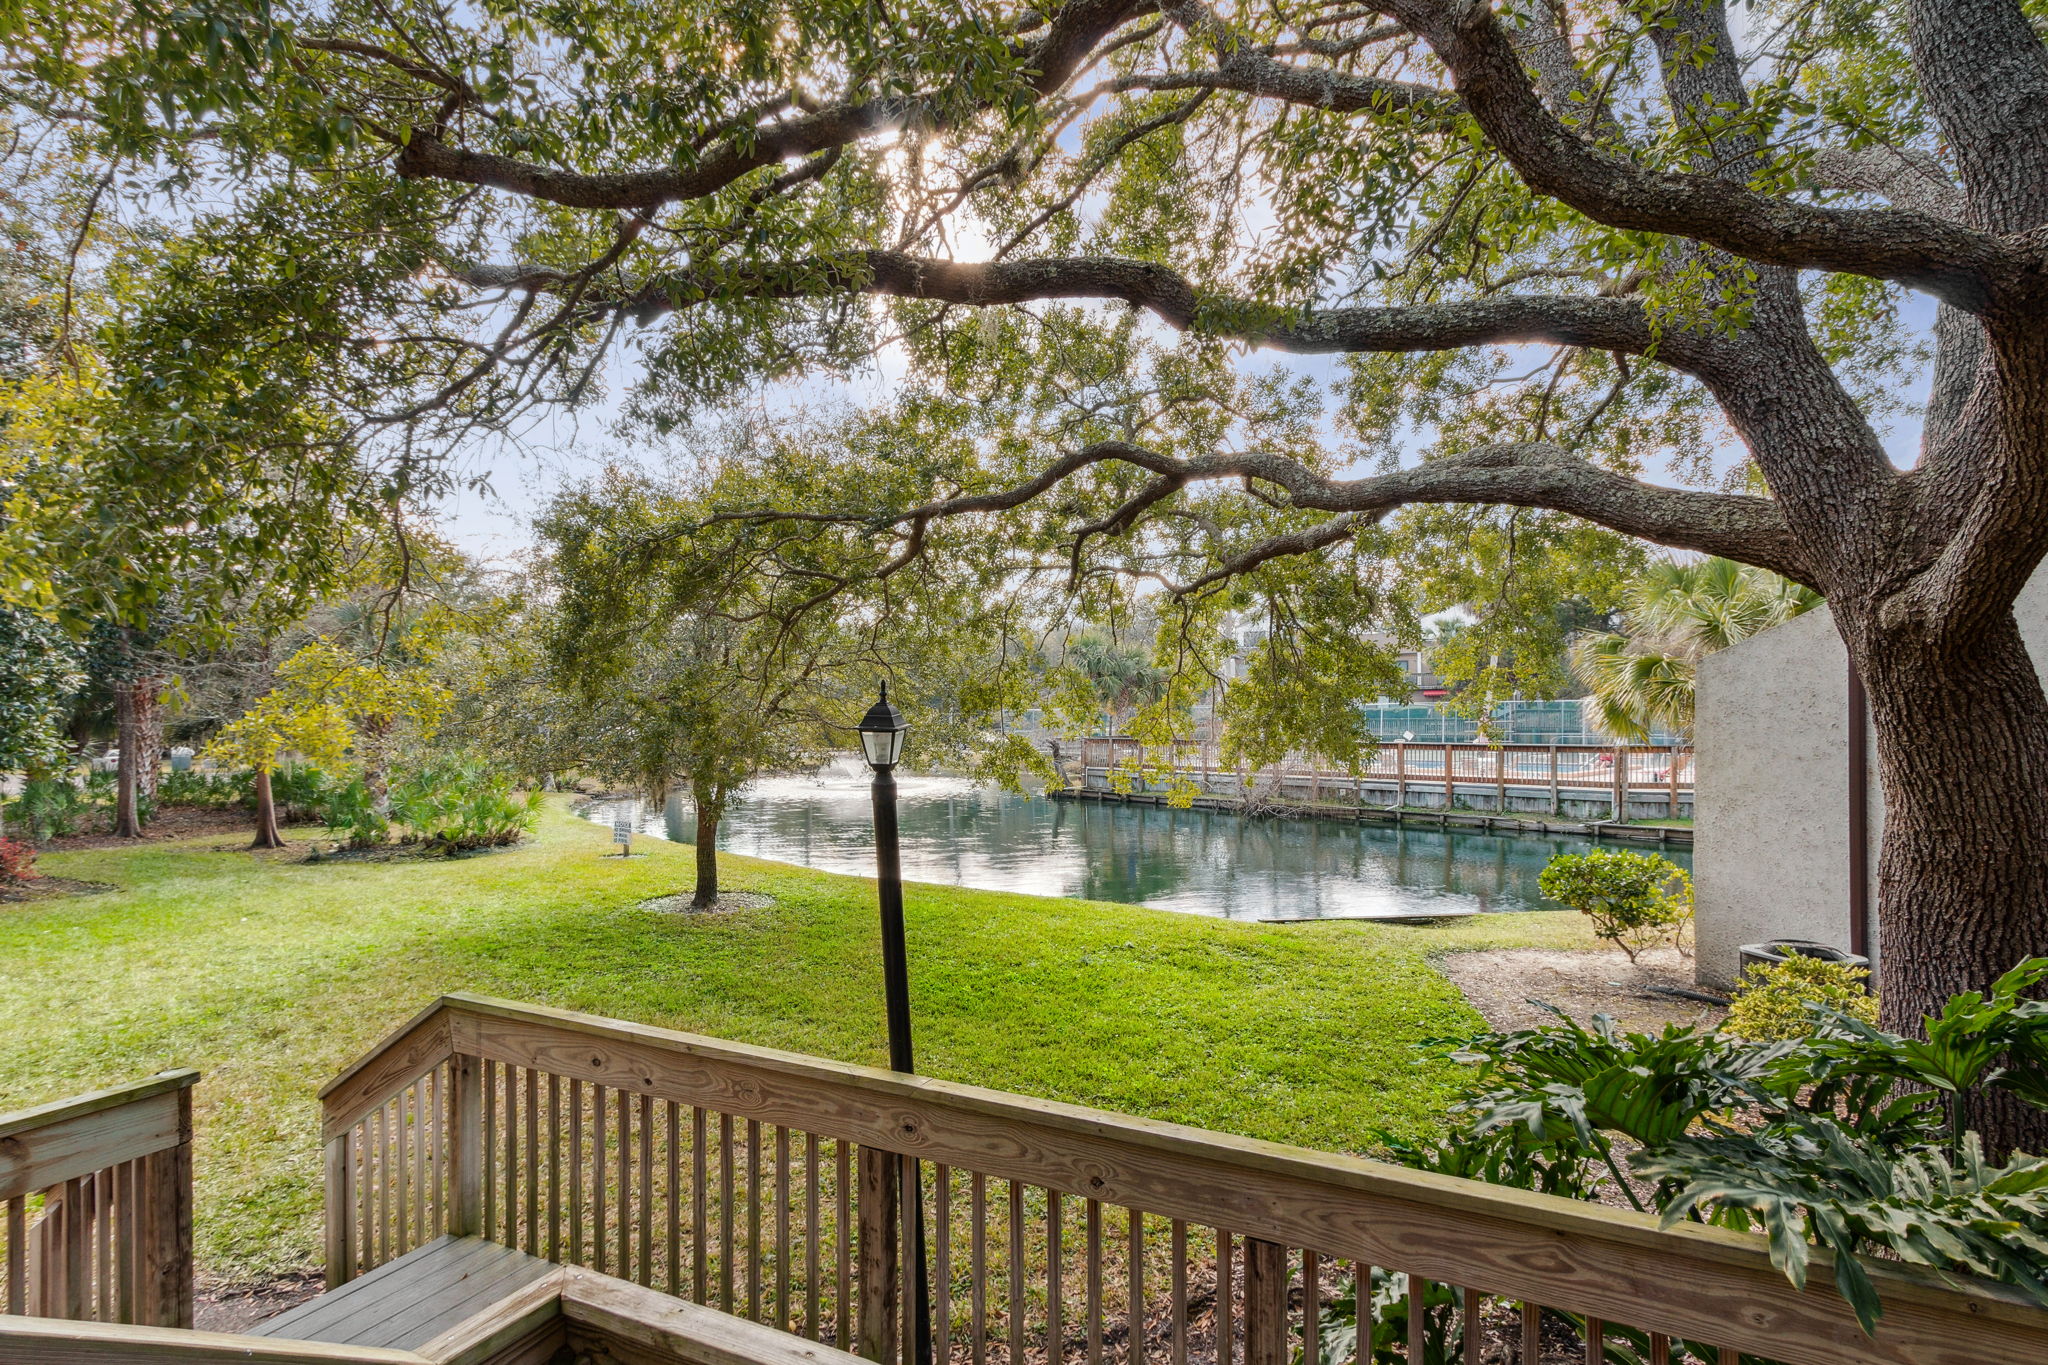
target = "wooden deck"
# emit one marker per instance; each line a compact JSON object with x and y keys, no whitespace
{"x":488,"y":1306}
{"x":406,"y":1303}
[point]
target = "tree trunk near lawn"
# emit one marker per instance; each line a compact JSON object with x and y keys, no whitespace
{"x":149,"y":736}
{"x":127,"y":736}
{"x":706,"y":894}
{"x":267,"y":834}
{"x":1962,"y":747}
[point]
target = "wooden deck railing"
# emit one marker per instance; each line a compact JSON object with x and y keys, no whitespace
{"x":97,"y":1194}
{"x":751,"y":1180}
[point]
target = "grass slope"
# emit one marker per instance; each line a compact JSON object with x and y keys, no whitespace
{"x":270,"y":975}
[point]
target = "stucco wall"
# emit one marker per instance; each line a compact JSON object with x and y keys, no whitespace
{"x":1771,"y":822}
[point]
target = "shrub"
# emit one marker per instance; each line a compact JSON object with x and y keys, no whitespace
{"x":1634,"y":899}
{"x":1847,"y":1137}
{"x":103,"y":797}
{"x":350,"y":807}
{"x":299,"y":790}
{"x":204,"y":791}
{"x":50,"y":808}
{"x":1773,"y":1000}
{"x":17,"y":863}
{"x":454,"y":807}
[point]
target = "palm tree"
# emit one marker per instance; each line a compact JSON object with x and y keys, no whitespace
{"x":1641,"y":679}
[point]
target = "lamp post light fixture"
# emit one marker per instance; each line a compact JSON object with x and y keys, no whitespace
{"x":881,"y":741}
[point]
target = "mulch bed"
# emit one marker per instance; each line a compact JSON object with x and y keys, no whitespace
{"x":47,"y":889}
{"x":223,"y":1307}
{"x":336,"y":852}
{"x":173,"y":822}
{"x":1501,"y":983}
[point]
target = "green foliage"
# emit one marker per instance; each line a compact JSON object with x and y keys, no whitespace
{"x":1124,"y":676}
{"x":1640,"y":679}
{"x":257,"y":350}
{"x":458,"y":807}
{"x":1772,"y":999}
{"x":299,"y":790}
{"x":203,"y":791}
{"x":350,"y":806}
{"x":1634,"y":899}
{"x":102,"y":792}
{"x":52,"y":808}
{"x":276,"y":726}
{"x":1391,"y":1308}
{"x":1807,"y":1180}
{"x":42,"y":668}
{"x":1845,"y":1136}
{"x":1301,"y":690}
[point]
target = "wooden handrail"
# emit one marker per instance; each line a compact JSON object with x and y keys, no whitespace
{"x":112,"y":1174}
{"x":113,"y":1097}
{"x":1691,"y":1282}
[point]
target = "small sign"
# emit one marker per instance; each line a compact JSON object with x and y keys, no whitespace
{"x":622,"y":829}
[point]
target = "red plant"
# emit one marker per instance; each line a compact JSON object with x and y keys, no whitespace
{"x":17,"y":862}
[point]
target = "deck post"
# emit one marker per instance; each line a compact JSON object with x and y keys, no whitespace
{"x":1620,"y":799}
{"x":1265,"y":1303}
{"x":466,"y":1145}
{"x":1553,"y":780}
{"x":1673,"y":776}
{"x":340,"y":1210}
{"x":880,"y":1265}
{"x":1450,"y":781}
{"x":167,"y":1252}
{"x":1500,"y":780}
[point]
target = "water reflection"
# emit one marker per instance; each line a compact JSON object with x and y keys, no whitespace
{"x":1201,"y":862}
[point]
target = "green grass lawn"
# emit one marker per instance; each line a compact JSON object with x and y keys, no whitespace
{"x":270,"y":974}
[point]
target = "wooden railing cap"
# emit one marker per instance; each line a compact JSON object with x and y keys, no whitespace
{"x":43,"y":1115}
{"x":383,"y":1044}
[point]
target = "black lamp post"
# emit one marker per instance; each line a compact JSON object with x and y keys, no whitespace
{"x":881,"y":742}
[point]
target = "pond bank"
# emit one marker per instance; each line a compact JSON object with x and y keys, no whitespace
{"x":1670,"y":836}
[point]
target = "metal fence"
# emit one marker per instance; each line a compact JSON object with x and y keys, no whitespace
{"x":1511,"y":722}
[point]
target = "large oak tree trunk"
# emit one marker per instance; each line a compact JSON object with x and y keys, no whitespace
{"x":1962,"y":747}
{"x":706,"y":894}
{"x":267,"y":833}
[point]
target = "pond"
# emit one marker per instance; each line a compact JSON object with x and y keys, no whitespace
{"x":1200,"y":862}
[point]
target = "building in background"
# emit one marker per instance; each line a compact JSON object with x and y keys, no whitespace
{"x":1788,"y":808}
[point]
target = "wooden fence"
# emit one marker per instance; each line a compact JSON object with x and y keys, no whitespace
{"x":97,"y":1193}
{"x":1447,"y":775}
{"x":756,"y":1182}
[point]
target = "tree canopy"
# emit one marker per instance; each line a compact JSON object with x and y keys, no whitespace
{"x":1561,"y":248}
